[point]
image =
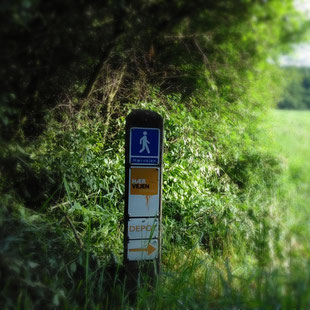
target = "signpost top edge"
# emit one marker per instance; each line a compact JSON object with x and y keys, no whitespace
{"x":146,"y":128}
{"x":144,"y":118}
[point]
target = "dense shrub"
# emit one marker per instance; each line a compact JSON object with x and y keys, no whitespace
{"x":213,"y":170}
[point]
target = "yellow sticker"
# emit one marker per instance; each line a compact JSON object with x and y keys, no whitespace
{"x":144,"y":181}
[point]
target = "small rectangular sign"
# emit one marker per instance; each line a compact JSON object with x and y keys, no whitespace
{"x":144,"y":146}
{"x":143,"y":198}
{"x":144,"y":181}
{"x":143,"y":228}
{"x":142,"y":250}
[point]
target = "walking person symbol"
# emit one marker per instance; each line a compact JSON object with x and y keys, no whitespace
{"x":144,"y":141}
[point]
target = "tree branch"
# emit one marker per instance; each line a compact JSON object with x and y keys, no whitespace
{"x":77,"y":238}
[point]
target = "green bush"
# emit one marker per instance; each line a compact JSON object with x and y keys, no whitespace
{"x":212,"y":175}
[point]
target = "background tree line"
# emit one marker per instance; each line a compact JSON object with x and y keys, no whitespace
{"x":296,"y":93}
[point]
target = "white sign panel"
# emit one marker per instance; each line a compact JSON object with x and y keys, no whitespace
{"x":143,"y":228}
{"x":143,"y":196}
{"x":142,"y":250}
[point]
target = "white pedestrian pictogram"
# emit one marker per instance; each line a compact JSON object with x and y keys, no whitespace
{"x":144,"y":141}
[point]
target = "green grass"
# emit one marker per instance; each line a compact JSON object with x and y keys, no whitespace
{"x":291,"y":132}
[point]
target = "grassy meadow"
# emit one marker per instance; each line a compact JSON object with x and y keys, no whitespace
{"x":291,"y":134}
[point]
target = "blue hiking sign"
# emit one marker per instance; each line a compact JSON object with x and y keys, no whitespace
{"x":144,"y":146}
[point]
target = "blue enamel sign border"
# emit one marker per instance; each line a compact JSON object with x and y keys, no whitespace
{"x":144,"y":146}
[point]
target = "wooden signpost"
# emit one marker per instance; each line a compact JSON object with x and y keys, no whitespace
{"x":143,"y":186}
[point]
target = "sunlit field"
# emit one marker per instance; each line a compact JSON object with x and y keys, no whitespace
{"x":291,"y":132}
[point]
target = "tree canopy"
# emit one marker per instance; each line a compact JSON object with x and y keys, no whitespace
{"x":64,"y":48}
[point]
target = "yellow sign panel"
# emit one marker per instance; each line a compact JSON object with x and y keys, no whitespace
{"x":144,"y":181}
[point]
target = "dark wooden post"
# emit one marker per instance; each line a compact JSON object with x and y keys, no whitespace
{"x":143,"y":194}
